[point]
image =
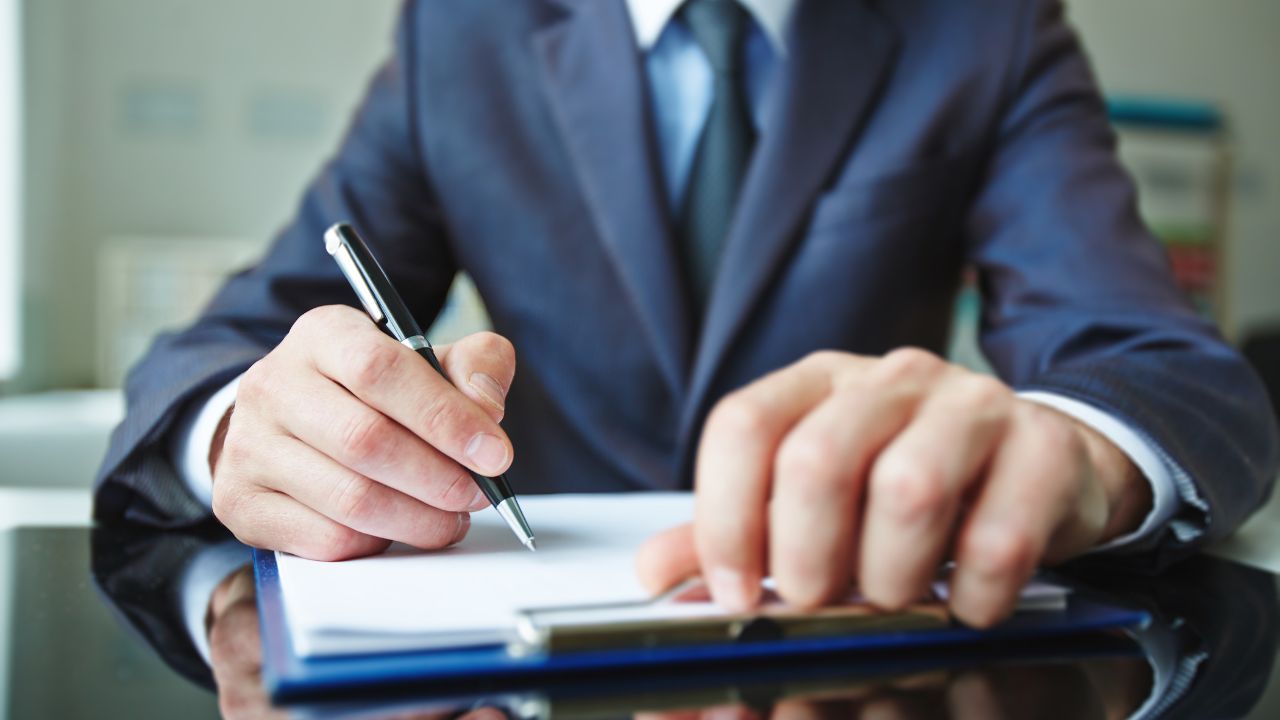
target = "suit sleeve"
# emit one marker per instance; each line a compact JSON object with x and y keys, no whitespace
{"x":1079,"y":300}
{"x":378,"y":182}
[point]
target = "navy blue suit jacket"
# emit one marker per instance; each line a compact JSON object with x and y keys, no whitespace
{"x":908,"y":140}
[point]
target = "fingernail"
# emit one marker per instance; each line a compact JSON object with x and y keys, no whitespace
{"x":479,"y":502}
{"x":464,"y":525}
{"x":726,"y":589}
{"x":488,"y":453}
{"x":489,"y":389}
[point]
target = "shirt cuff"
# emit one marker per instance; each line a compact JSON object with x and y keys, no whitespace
{"x":1164,"y":493}
{"x":209,"y":568}
{"x":192,"y":438}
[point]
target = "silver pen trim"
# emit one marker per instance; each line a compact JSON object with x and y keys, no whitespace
{"x":347,"y":264}
{"x":509,"y":509}
{"x":417,"y":342}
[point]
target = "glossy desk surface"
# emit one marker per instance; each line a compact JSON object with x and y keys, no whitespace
{"x":92,"y":627}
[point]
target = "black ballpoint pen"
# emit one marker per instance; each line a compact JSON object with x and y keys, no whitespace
{"x":384,"y":305}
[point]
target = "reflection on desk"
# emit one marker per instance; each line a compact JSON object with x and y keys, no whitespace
{"x":1209,"y":654}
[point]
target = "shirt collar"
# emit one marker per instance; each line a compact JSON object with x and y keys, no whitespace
{"x":650,"y":18}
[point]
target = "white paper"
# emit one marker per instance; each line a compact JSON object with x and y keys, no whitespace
{"x":469,"y":594}
{"x":407,"y":599}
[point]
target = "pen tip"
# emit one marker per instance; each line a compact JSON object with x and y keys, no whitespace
{"x":531,"y":545}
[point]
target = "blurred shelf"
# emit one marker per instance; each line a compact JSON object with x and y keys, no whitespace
{"x":56,"y":439}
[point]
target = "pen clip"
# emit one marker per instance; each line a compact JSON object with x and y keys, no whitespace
{"x":334,"y":244}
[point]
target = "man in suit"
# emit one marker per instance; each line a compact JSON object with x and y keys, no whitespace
{"x":724,"y":237}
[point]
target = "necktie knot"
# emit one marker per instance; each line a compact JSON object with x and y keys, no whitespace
{"x":719,"y":27}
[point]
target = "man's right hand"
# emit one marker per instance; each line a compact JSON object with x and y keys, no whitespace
{"x":343,"y":440}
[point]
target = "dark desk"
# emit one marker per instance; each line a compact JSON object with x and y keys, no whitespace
{"x":93,"y":628}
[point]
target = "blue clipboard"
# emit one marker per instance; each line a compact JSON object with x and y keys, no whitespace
{"x":290,"y":677}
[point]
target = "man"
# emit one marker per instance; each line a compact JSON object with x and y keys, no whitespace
{"x":753,"y":207}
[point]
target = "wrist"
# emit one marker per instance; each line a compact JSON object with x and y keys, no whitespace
{"x":219,"y":438}
{"x":1128,"y":493}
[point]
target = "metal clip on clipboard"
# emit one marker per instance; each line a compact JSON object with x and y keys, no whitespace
{"x":685,"y":616}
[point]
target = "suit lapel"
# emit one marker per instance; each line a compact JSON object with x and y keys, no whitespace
{"x":839,"y":55}
{"x":594,"y":80}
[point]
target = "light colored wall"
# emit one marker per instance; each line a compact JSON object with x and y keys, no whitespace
{"x":140,"y":121}
{"x":171,"y":118}
{"x":1229,"y":53}
{"x":10,"y":199}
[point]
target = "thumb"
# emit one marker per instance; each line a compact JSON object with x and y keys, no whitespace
{"x":667,"y":559}
{"x":482,"y":367}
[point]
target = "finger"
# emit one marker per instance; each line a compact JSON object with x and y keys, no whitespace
{"x":916,"y":485}
{"x":268,"y":519}
{"x":398,"y":382}
{"x":482,"y":366}
{"x":234,"y":641}
{"x":667,"y":559}
{"x":230,"y":590}
{"x":327,"y":417}
{"x":973,"y":695}
{"x":1035,"y":483}
{"x":362,"y":504}
{"x":728,"y":712}
{"x":733,"y":474}
{"x":235,"y":658}
{"x":930,"y":680}
{"x":818,"y":482}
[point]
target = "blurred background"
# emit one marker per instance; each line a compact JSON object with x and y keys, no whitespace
{"x":149,"y":147}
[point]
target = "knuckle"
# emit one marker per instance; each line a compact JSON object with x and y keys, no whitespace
{"x":354,"y":499}
{"x":822,"y":358}
{"x":985,"y":392}
{"x":227,"y":500}
{"x":338,"y":542}
{"x":805,"y":461}
{"x":366,"y":366}
{"x":233,"y":508}
{"x":309,"y":319}
{"x":741,"y":416}
{"x":365,"y":438}
{"x":459,"y":491}
{"x":1004,"y":552}
{"x":313,"y":322}
{"x":236,"y":453}
{"x":492,"y":343}
{"x":440,"y":534}
{"x":325,"y":316}
{"x":441,"y":418}
{"x":910,"y":490}
{"x":909,"y":362}
{"x":1055,"y":433}
{"x":223,"y":506}
{"x":255,"y":384}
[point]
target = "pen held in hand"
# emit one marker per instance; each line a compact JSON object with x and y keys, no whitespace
{"x":386,"y":309}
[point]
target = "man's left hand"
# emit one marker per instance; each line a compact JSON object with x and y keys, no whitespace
{"x":844,"y":468}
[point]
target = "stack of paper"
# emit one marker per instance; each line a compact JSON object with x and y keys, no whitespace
{"x":470,"y":595}
{"x":408,"y":599}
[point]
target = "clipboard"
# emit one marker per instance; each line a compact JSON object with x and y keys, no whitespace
{"x":289,"y":677}
{"x":679,"y":618}
{"x":756,"y":685}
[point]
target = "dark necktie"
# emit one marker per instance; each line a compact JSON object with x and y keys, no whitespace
{"x":724,"y":148}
